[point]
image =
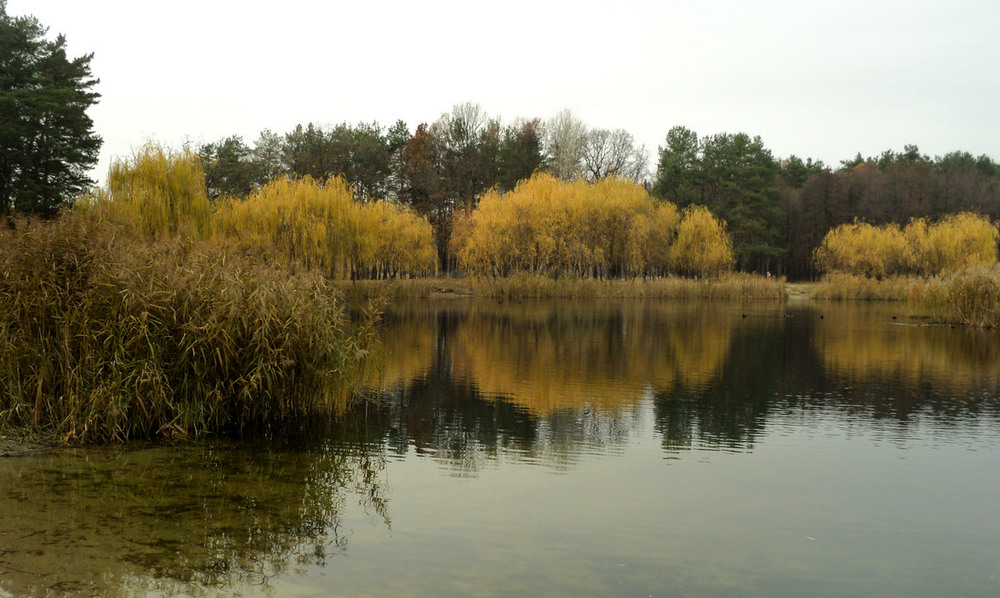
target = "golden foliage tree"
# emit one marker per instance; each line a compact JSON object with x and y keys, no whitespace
{"x":861,"y":248}
{"x":960,"y":241}
{"x":953,"y":243}
{"x":610,"y":227}
{"x":158,"y":193}
{"x":319,"y":226}
{"x":702,"y":247}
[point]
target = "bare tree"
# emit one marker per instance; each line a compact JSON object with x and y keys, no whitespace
{"x":613,"y":153}
{"x":460,"y":128}
{"x":565,"y":137}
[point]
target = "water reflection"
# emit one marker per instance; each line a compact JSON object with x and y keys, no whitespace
{"x":865,"y":342}
{"x":549,"y":356}
{"x":482,"y":387}
{"x":190,"y":519}
{"x":539,"y":381}
{"x":546,"y":381}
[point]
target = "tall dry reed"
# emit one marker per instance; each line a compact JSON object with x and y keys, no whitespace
{"x":727,"y":286}
{"x":733,"y":285}
{"x":843,"y":286}
{"x":104,"y":337}
{"x":970,"y":297}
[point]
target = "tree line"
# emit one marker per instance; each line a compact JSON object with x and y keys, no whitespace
{"x":891,"y":189}
{"x":777,"y":209}
{"x":439,"y":170}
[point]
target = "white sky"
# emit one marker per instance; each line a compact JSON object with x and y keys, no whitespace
{"x":817,"y":79}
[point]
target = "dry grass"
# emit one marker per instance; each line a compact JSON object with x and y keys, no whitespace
{"x":103,"y":338}
{"x":969,"y":297}
{"x":403,"y":288}
{"x":840,"y":286}
{"x":524,"y":286}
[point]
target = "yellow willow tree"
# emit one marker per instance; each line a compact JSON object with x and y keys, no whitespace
{"x":955,"y":242}
{"x":702,"y":247}
{"x":298,"y":222}
{"x":650,"y":244}
{"x":302,"y":222}
{"x":860,"y":248}
{"x":157,"y":193}
{"x":611,"y":227}
{"x":959,"y":241}
{"x":614,"y":206}
{"x":392,"y":241}
{"x":918,"y":245}
{"x":511,"y":232}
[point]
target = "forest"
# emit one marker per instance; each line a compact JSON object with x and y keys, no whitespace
{"x":777,"y":209}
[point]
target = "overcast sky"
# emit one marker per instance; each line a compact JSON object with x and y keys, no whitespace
{"x":817,"y":79}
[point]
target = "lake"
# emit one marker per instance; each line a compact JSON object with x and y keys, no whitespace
{"x":565,"y":448}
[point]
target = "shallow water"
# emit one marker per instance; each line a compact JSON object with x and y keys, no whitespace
{"x":565,"y":448}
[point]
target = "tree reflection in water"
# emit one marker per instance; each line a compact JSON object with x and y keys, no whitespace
{"x":472,"y":385}
{"x":539,"y":381}
{"x":547,"y":381}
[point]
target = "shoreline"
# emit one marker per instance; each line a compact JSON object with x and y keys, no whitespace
{"x":20,"y":444}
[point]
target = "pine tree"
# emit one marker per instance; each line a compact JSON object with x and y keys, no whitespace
{"x":47,"y":142}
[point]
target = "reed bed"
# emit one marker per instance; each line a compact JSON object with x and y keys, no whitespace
{"x":726,"y":286}
{"x":969,"y":297}
{"x":404,"y":288}
{"x":523,"y":286}
{"x":107,"y":338}
{"x":854,"y":287}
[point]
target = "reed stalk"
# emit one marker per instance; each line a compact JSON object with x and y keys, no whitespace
{"x":104,"y":337}
{"x":970,"y":296}
{"x":736,"y":286}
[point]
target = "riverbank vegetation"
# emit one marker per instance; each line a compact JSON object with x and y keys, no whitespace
{"x":969,"y":297}
{"x":733,"y":285}
{"x":949,"y":266}
{"x":105,"y":337}
{"x":777,"y":209}
{"x":953,"y":243}
{"x":126,"y":318}
{"x":610,"y":228}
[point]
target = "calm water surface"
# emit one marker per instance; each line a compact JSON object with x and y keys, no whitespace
{"x":565,"y":449}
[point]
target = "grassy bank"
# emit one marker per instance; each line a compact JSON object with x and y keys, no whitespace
{"x":107,"y":338}
{"x":970,"y":296}
{"x":840,"y":286}
{"x":523,"y":286}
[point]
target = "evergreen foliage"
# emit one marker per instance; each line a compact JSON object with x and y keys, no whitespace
{"x":735,"y":177}
{"x":47,"y":142}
